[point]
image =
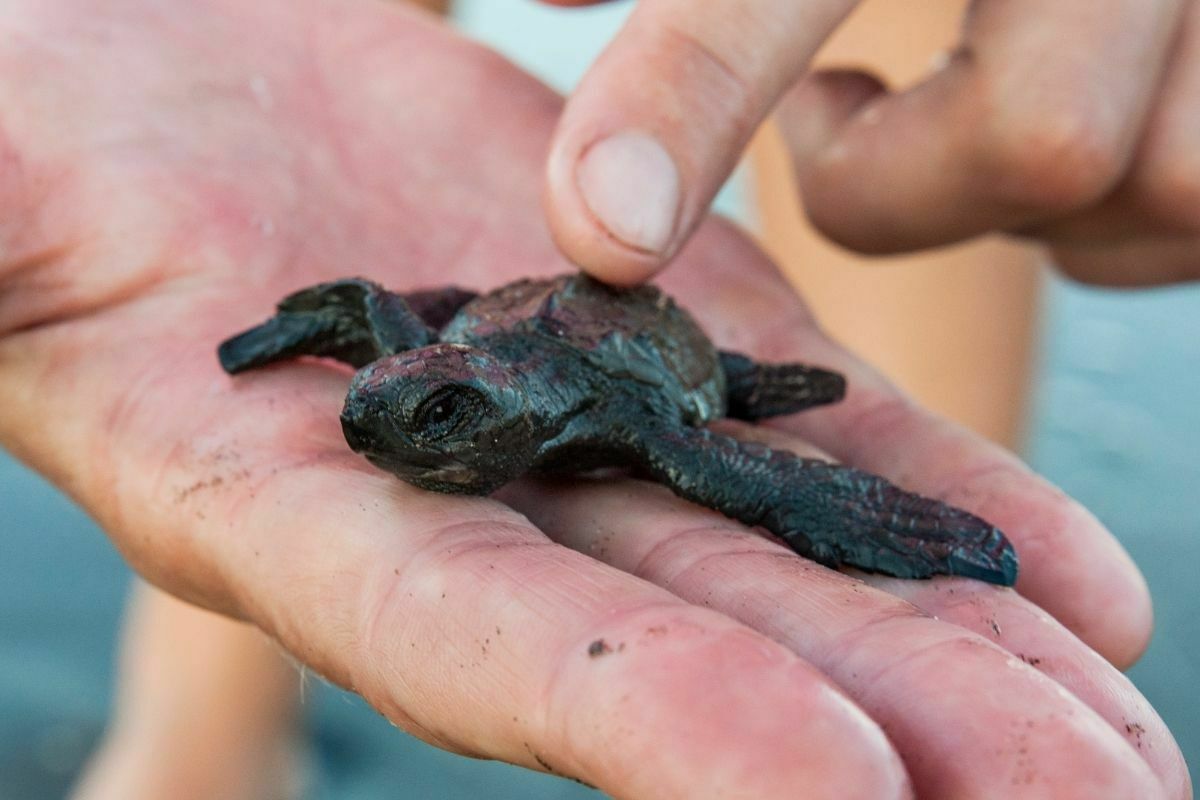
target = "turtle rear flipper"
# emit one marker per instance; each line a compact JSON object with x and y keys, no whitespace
{"x":355,"y":321}
{"x":757,"y":390}
{"x":832,"y":514}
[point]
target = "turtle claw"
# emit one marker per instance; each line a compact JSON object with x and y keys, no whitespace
{"x":995,"y":561}
{"x":875,"y":549}
{"x":942,"y":541}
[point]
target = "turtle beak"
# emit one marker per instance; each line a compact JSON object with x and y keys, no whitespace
{"x":360,"y":425}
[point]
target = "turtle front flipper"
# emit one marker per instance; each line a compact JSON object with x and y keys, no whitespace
{"x":757,"y":390}
{"x":832,"y":514}
{"x":355,"y":321}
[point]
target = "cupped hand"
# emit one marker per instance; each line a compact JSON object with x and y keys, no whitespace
{"x":169,"y":172}
{"x":1073,"y":123}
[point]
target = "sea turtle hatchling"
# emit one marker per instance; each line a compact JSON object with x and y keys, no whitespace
{"x":458,"y":392}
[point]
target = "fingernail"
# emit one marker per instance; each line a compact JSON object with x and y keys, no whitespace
{"x":630,"y":183}
{"x":820,"y":106}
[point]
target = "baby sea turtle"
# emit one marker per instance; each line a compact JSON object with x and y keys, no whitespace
{"x":458,"y":392}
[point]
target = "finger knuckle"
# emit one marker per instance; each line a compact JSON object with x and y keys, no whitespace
{"x":724,"y":74}
{"x":1049,"y":159}
{"x":1171,"y":190}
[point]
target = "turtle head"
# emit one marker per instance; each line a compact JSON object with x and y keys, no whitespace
{"x":447,"y":417}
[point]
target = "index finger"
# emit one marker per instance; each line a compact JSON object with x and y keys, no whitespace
{"x":661,"y":118}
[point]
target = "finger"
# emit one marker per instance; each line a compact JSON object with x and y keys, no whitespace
{"x":658,"y":123}
{"x":1148,"y":231}
{"x":1065,"y":553}
{"x":966,"y":716}
{"x":454,"y":617}
{"x":1036,"y":116}
{"x":1135,"y":262}
{"x":1070,"y":565}
{"x":1166,"y":176}
{"x":1028,"y":632}
{"x":820,"y":104}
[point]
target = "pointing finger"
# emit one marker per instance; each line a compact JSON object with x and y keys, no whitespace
{"x":660,"y":120}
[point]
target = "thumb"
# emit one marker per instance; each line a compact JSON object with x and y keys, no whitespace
{"x":660,"y":120}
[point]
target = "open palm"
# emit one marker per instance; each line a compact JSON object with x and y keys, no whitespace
{"x":170,"y":170}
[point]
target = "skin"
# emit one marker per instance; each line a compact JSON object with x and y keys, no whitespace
{"x":218,"y":159}
{"x":1071,"y":123}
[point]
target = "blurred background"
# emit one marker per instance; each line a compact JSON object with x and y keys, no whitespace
{"x":1097,"y":389}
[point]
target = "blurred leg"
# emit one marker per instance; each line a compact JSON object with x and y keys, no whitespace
{"x":954,"y":327}
{"x":205,"y":708}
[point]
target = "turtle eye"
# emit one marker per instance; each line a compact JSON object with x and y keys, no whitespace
{"x":446,"y":411}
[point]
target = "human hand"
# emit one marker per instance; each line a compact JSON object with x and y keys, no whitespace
{"x":1070,"y":123}
{"x":170,"y":174}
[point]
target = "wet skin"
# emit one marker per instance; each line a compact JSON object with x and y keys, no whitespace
{"x":462,"y":394}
